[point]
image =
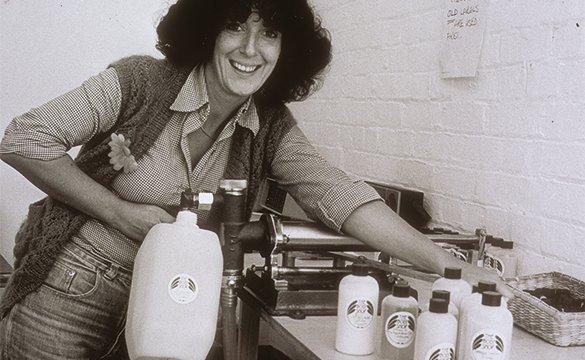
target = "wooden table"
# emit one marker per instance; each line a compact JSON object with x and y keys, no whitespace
{"x":313,"y":337}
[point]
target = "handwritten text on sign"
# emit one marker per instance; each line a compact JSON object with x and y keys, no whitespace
{"x":464,"y":27}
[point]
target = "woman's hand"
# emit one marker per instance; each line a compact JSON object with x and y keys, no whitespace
{"x":135,"y":220}
{"x":474,"y":274}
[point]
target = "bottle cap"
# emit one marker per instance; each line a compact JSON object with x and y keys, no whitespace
{"x":474,"y":289}
{"x":491,"y":298}
{"x":360,"y":269}
{"x":497,"y":242}
{"x":401,"y":289}
{"x":413,"y":293}
{"x":442,"y":294}
{"x":507,"y":244}
{"x":484,"y":286}
{"x":452,"y":273}
{"x":440,"y":306}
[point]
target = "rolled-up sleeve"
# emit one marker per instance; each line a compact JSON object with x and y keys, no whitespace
{"x":322,"y":190}
{"x":49,"y":131}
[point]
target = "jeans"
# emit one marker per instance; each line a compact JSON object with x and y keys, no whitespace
{"x":77,"y":313}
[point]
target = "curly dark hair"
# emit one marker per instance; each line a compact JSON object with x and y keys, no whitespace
{"x":187,"y":35}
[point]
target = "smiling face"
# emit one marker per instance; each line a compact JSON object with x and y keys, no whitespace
{"x":244,"y":56}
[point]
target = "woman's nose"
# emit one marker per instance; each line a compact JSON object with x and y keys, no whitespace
{"x":249,"y":45}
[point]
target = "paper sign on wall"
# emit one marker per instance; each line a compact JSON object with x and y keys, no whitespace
{"x":465,"y":22}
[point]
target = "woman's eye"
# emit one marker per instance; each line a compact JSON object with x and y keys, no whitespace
{"x":234,"y":26}
{"x":272,"y":34}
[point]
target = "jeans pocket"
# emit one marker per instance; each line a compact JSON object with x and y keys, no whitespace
{"x":71,"y":277}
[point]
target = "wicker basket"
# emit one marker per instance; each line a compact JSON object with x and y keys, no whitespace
{"x":533,"y":315}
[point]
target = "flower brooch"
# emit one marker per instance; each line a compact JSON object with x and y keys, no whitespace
{"x":120,"y":155}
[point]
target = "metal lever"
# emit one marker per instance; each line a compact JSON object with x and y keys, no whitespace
{"x":388,"y":267}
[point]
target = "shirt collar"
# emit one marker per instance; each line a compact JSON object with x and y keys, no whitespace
{"x":193,"y":96}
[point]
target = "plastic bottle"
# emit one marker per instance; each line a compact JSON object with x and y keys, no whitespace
{"x":399,"y":313}
{"x":357,"y":308}
{"x":452,"y":282}
{"x":174,"y":298}
{"x":436,"y":332}
{"x":504,"y":259}
{"x":444,"y":294}
{"x":466,"y":308}
{"x":488,"y":330}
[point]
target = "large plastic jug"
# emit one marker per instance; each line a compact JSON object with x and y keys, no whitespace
{"x":174,"y":298}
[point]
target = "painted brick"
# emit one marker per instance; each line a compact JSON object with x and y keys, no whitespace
{"x":542,"y":79}
{"x":420,"y":57}
{"x":501,"y":13}
{"x":572,"y":78}
{"x":384,"y":114}
{"x":461,"y":116}
{"x":559,"y":121}
{"x":400,"y":86}
{"x":395,"y":59}
{"x":394,"y":142}
{"x":510,"y":119}
{"x":422,"y":28}
{"x":454,"y":182}
{"x":421,"y":116}
{"x":568,"y":39}
{"x":561,"y":161}
{"x":526,"y":44}
{"x":501,"y":83}
{"x":504,"y":191}
{"x":557,"y":200}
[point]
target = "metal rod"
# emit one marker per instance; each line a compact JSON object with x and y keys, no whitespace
{"x":291,"y":271}
{"x":389,"y":268}
{"x":302,"y":235}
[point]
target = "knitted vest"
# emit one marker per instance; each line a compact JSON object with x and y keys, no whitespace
{"x":149,"y":87}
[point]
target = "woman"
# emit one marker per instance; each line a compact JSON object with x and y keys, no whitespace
{"x":150,"y":129}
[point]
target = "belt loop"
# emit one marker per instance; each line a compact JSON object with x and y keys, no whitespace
{"x":112,"y":272}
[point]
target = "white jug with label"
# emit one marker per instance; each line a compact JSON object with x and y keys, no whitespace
{"x":357,"y":308}
{"x":174,"y":298}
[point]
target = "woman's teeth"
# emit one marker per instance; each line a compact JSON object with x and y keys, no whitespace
{"x":244,"y":68}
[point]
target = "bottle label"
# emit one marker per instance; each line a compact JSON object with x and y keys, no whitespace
{"x":444,"y":351}
{"x":494,"y":263}
{"x":183,"y":288}
{"x":360,"y":313}
{"x":487,"y":344}
{"x":458,"y":253}
{"x":400,"y":329}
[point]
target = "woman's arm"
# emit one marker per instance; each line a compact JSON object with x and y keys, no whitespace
{"x":62,"y":180}
{"x":377,"y":225}
{"x":36,"y":142}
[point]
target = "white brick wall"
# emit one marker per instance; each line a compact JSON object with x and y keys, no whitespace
{"x":505,"y":150}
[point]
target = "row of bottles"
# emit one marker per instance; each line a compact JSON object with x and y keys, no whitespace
{"x":456,"y":323}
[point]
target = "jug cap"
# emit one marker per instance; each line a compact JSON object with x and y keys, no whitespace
{"x":442,"y":294}
{"x":491,"y":298}
{"x":401,"y":289}
{"x":452,"y":273}
{"x":437,"y":305}
{"x":360,"y":269}
{"x":484,"y":286}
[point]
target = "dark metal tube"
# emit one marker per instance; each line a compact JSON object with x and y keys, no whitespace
{"x":291,"y":271}
{"x":229,"y":325}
